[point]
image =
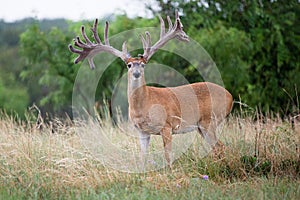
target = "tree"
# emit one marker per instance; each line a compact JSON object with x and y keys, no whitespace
{"x":48,"y":63}
{"x":265,"y":46}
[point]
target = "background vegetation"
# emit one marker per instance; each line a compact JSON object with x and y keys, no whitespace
{"x":255,"y":45}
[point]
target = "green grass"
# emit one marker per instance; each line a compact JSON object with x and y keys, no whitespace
{"x":261,"y":161}
{"x":260,"y":188}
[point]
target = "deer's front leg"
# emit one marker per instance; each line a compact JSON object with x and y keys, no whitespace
{"x":167,"y":140}
{"x":144,"y":144}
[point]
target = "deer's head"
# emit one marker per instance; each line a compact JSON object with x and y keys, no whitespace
{"x":136,"y":67}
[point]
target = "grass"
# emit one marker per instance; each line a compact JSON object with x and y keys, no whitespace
{"x":48,"y":161}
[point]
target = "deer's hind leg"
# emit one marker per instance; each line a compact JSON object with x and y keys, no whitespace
{"x":207,"y":130}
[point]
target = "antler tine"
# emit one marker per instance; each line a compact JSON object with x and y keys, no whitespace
{"x":89,"y":49}
{"x":179,"y":25}
{"x":88,"y":41}
{"x":106,"y":34}
{"x":124,"y":47}
{"x":148,"y":40}
{"x":169,"y":23}
{"x":79,"y":43}
{"x":95,"y":32}
{"x":174,"y":31}
{"x":72,"y":49}
{"x":178,"y":22}
{"x":146,"y":43}
{"x":162,"y":26}
{"x":91,"y":63}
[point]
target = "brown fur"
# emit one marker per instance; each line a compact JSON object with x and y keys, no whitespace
{"x":163,"y":111}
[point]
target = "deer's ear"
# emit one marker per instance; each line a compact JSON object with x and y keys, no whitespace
{"x":142,"y":59}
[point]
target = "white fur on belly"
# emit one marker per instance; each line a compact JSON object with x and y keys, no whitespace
{"x":185,"y":129}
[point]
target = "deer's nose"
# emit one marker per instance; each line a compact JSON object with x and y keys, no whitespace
{"x":136,"y":74}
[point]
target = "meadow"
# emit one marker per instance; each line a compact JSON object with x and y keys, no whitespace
{"x":40,"y":160}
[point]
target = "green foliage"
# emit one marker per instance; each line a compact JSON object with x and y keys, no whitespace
{"x":49,"y":63}
{"x":17,"y":93}
{"x":13,"y":99}
{"x":254,"y":43}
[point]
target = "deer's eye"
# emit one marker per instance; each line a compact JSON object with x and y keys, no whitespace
{"x":129,"y":65}
{"x":142,"y":64}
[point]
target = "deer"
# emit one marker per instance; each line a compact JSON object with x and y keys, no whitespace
{"x":200,"y":106}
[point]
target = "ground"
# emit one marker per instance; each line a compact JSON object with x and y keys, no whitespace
{"x":48,"y":161}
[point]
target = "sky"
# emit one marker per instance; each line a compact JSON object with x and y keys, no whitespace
{"x":76,"y":10}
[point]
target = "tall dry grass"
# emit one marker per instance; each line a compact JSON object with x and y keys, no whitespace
{"x":49,"y":159}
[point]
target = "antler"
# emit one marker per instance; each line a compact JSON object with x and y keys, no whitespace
{"x":90,"y":49}
{"x":175,"y":31}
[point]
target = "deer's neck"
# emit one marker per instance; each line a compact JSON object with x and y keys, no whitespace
{"x":137,"y":94}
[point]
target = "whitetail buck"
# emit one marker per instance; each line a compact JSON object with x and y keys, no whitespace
{"x":162,"y":111}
